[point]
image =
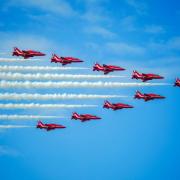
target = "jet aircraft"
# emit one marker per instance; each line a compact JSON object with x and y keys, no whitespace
{"x":64,"y":60}
{"x":116,"y":106}
{"x":84,"y":117}
{"x":107,"y":68}
{"x":145,"y":77}
{"x":147,"y":97}
{"x":49,"y":127}
{"x":26,"y":53}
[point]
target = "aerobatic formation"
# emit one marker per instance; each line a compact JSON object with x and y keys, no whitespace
{"x":106,"y":69}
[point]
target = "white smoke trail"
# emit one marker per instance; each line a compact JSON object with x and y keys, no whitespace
{"x":38,"y":68}
{"x":70,"y":84}
{"x":18,"y":60}
{"x":25,"y":96}
{"x":13,"y":126}
{"x":33,"y":105}
{"x":26,"y":117}
{"x":38,"y":76}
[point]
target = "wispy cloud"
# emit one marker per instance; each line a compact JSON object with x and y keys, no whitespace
{"x":6,"y":151}
{"x":100,"y":31}
{"x":124,"y":48}
{"x":139,"y":6}
{"x":154,"y":29}
{"x":60,"y":7}
{"x":170,"y":45}
{"x":25,"y":41}
{"x":95,"y":11}
{"x":128,"y":23}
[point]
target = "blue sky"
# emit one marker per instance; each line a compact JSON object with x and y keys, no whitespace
{"x":140,"y":143}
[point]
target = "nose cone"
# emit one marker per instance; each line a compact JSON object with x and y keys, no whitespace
{"x":160,"y":77}
{"x":129,"y":106}
{"x":63,"y":127}
{"x":120,"y":69}
{"x":162,"y":97}
{"x":98,"y":118}
{"x":42,"y":54}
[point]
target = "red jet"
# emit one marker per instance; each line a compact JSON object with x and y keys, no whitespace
{"x":116,"y":106}
{"x":26,"y":53}
{"x":49,"y":127}
{"x":107,"y":68}
{"x":177,"y":82}
{"x":147,"y":97}
{"x":145,"y":77}
{"x":64,"y":60}
{"x":84,"y":117}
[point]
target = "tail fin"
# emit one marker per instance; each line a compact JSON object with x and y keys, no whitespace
{"x":54,"y":58}
{"x":75,"y":115}
{"x":17,"y":50}
{"x":138,"y":94}
{"x":107,"y":103}
{"x":40,"y":122}
{"x":136,"y":74}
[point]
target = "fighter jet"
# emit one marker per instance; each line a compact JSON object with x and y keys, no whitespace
{"x":26,"y":53}
{"x":147,"y":97}
{"x":145,"y":77}
{"x":84,"y":117}
{"x":116,"y":106}
{"x":64,"y":60}
{"x":49,"y":127}
{"x":107,"y":68}
{"x":177,"y":82}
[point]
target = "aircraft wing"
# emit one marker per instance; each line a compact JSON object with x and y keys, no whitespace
{"x":148,"y":95}
{"x":107,"y":67}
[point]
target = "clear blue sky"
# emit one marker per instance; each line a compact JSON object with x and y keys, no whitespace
{"x":140,"y":143}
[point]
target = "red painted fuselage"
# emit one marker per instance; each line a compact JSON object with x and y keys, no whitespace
{"x":116,"y":106}
{"x":107,"y":68}
{"x":145,"y":77}
{"x":84,"y":117}
{"x":147,"y":97}
{"x":49,"y":127}
{"x":26,"y":53}
{"x":64,"y":60}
